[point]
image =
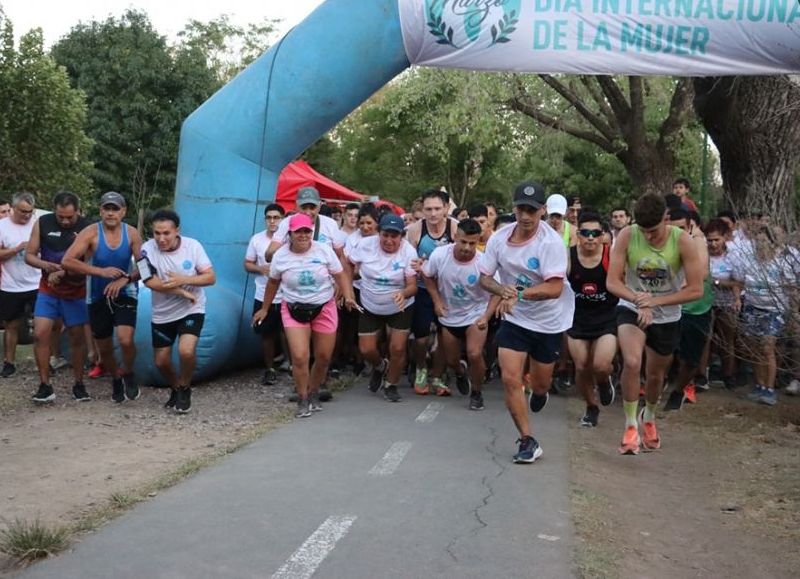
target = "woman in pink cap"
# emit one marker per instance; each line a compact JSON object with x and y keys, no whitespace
{"x":303,"y":269}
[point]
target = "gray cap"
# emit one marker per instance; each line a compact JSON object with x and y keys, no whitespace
{"x":113,"y":198}
{"x":308,"y":196}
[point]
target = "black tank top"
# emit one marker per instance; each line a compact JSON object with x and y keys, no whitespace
{"x":593,"y":301}
{"x":54,"y":241}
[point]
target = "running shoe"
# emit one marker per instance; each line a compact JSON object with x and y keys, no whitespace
{"x":690,"y":394}
{"x":675,"y":401}
{"x":529,"y":450}
{"x":769,"y":396}
{"x":440,"y":387}
{"x":756,"y":393}
{"x":303,"y":408}
{"x":334,"y":372}
{"x":729,"y":382}
{"x":8,"y":370}
{"x":183,"y":404}
{"x":606,"y":392}
{"x":131,"y":388}
{"x":630,"y":441}
{"x":793,"y":389}
{"x":390,"y":393}
{"x":378,"y":373}
{"x":591,"y":416}
{"x":44,"y":394}
{"x":463,"y":383}
{"x":701,"y":383}
{"x":313,"y":402}
{"x":325,"y":395}
{"x":173,"y":398}
{"x":79,"y":392}
{"x":58,"y":362}
{"x":118,"y":390}
{"x":421,"y":382}
{"x":96,"y":372}
{"x":476,"y":401}
{"x":270,"y":377}
{"x":651,"y":440}
{"x":538,"y":401}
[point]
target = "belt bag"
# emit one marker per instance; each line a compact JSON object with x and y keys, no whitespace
{"x":304,"y":313}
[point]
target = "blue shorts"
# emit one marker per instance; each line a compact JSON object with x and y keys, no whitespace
{"x":73,"y":312}
{"x":760,"y":323}
{"x":424,"y":315}
{"x":544,"y":348}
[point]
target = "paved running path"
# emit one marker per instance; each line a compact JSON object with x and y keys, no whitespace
{"x":364,"y":489}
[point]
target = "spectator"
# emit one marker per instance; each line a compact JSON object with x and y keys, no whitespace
{"x":682,"y":188}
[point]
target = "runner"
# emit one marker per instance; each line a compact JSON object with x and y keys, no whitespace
{"x":648,"y":263}
{"x":255,"y":262}
{"x":111,"y":245}
{"x":556,"y":218}
{"x":388,"y":286}
{"x":5,"y":208}
{"x":620,"y":219}
{"x":61,"y":296}
{"x":531,"y":261}
{"x":592,"y":338}
{"x":350,"y":221}
{"x":463,"y":308}
{"x":480,"y":214}
{"x":19,"y":281}
{"x":302,"y":270}
{"x":176,"y":269}
{"x":574,"y":208}
{"x":435,"y":230}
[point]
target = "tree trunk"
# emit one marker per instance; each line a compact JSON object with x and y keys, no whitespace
{"x":650,"y":167}
{"x":755,"y":124}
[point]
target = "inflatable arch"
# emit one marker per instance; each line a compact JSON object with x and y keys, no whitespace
{"x":235,"y":145}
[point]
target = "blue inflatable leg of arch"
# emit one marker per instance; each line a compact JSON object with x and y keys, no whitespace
{"x":235,"y":145}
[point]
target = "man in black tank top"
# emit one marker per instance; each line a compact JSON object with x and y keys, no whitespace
{"x":592,"y":338}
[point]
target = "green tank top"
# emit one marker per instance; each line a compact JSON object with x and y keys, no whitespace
{"x":655,"y":271}
{"x":704,"y":304}
{"x":565,"y":235}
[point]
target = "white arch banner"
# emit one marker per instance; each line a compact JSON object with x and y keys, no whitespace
{"x":637,"y":37}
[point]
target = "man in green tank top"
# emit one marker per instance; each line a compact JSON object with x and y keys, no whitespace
{"x":654,"y":269}
{"x":695,"y":320}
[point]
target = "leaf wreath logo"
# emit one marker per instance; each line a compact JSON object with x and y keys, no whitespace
{"x":498,"y":17}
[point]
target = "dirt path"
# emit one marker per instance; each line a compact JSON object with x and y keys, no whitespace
{"x":721,"y":499}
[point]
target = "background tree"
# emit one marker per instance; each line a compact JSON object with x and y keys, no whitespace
{"x":43,"y":147}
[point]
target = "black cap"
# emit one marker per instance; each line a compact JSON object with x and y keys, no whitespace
{"x":392,"y":222}
{"x":529,"y":193}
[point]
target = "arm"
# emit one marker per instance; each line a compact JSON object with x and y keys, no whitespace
{"x":269,"y":295}
{"x":548,"y":290}
{"x":84,"y":244}
{"x":273,"y":247}
{"x":346,"y":286}
{"x":155,"y":284}
{"x":439,"y":307}
{"x":407,"y":292}
{"x":615,"y":280}
{"x":491,"y":285}
{"x":491,"y":308}
{"x":253,"y":267}
{"x":32,"y":253}
{"x":10,"y":252}
{"x":203,"y":279}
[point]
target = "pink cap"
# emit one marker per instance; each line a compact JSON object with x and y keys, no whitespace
{"x":300,"y":221}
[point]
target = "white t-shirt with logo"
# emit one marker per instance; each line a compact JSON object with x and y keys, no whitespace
{"x":188,"y":259}
{"x":17,"y":276}
{"x":306,"y":277}
{"x":329,"y":232}
{"x":256,"y":251}
{"x":528,"y":264}
{"x":383,"y":274}
{"x":459,"y":286}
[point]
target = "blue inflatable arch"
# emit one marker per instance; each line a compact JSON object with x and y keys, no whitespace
{"x":235,"y":145}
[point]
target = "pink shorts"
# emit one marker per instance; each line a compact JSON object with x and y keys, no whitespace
{"x":326,"y":322}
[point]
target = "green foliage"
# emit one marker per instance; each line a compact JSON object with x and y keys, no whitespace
{"x":27,"y":541}
{"x":43,"y":147}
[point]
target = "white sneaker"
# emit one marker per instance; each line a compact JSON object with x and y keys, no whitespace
{"x":56,"y":363}
{"x":793,"y":389}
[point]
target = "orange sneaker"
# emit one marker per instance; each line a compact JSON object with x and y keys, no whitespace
{"x":422,"y":390}
{"x":651,"y":441}
{"x":440,"y":387}
{"x":97,"y":371}
{"x":690,"y":394}
{"x":630,"y":441}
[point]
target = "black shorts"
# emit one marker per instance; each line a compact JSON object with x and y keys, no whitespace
{"x":16,"y":305}
{"x":459,"y":332}
{"x":108,"y":313}
{"x":544,"y":348}
{"x":584,"y":331}
{"x":424,"y":315}
{"x":272,"y":324}
{"x":663,"y":339}
{"x":370,"y":324}
{"x":694,"y":335}
{"x":164,"y":335}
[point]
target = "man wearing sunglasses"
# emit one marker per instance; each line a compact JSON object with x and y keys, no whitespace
{"x":110,"y":245}
{"x":593,"y":336}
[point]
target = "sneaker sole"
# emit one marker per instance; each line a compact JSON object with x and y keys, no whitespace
{"x":586,"y":424}
{"x":87,"y":399}
{"x":187,"y":411}
{"x":303,"y":415}
{"x":628,"y":450}
{"x":646,"y":447}
{"x":536,"y":455}
{"x":50,"y":398}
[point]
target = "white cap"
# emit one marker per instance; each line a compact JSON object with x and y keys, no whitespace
{"x":557,"y":204}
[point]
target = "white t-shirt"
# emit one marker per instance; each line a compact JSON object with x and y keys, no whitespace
{"x":528,"y":264}
{"x":721,"y":268}
{"x":17,"y":276}
{"x":306,"y":277}
{"x":188,"y":259}
{"x":383,"y":274}
{"x":766,"y":284}
{"x":329,"y":232}
{"x":458,"y":285}
{"x":256,"y":251}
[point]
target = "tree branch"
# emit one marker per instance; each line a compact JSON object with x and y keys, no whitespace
{"x":679,"y":109}
{"x":579,"y":105}
{"x":615,"y":98}
{"x":589,"y":82}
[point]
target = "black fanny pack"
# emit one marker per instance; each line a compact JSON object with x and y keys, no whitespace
{"x":304,"y":313}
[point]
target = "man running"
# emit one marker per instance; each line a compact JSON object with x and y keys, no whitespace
{"x":255,"y":262}
{"x":111,"y":245}
{"x":480,"y":213}
{"x":531,"y":261}
{"x":649,"y":262}
{"x":620,"y":219}
{"x":593,"y":335}
{"x":19,"y":281}
{"x":61,"y":296}
{"x":178,"y":269}
{"x":556,"y":218}
{"x":463,"y":307}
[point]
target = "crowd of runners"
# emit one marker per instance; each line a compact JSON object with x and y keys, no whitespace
{"x":550,"y":294}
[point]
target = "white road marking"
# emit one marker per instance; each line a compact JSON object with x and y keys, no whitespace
{"x":391,"y":460}
{"x":304,"y":562}
{"x":430,"y":413}
{"x":550,"y":538}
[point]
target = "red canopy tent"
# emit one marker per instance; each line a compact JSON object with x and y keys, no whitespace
{"x":301,"y":174}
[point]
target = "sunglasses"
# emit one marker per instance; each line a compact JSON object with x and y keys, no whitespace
{"x":591,"y":232}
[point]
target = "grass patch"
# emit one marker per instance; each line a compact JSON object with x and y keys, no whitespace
{"x":342,"y":383}
{"x":27,"y":541}
{"x":594,"y":558}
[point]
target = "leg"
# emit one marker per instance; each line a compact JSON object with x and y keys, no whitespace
{"x":77,"y":351}
{"x":42,"y":333}
{"x":581,"y":352}
{"x":631,"y":344}
{"x":187,"y":353}
{"x":656,"y":371}
{"x":513,"y":366}
{"x":324,"y":345}
{"x":10,"y":339}
{"x":299,"y":345}
{"x":106,"y":348}
{"x":397,"y":355}
{"x":55,"y":337}
{"x":368,"y":345}
{"x":476,"y":340}
{"x":125,"y":337}
{"x":163,"y":361}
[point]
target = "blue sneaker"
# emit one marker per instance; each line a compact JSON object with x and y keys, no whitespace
{"x":529,"y":450}
{"x":538,"y":401}
{"x":769,"y":396}
{"x":756,"y":393}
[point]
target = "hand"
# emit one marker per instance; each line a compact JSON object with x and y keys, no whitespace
{"x":174,"y":280}
{"x":264,"y":269}
{"x":338,"y":296}
{"x":645,"y":318}
{"x":645,"y":300}
{"x":112,"y":290}
{"x":508,"y":292}
{"x":184,"y":293}
{"x":55,"y":277}
{"x":351,"y":304}
{"x":399,"y":300}
{"x":416,"y":264}
{"x":505,"y":306}
{"x":51,"y":267}
{"x":482,"y":323}
{"x":439,"y":309}
{"x":111,"y":272}
{"x":737,"y":305}
{"x":259,"y":317}
{"x":21,"y":247}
